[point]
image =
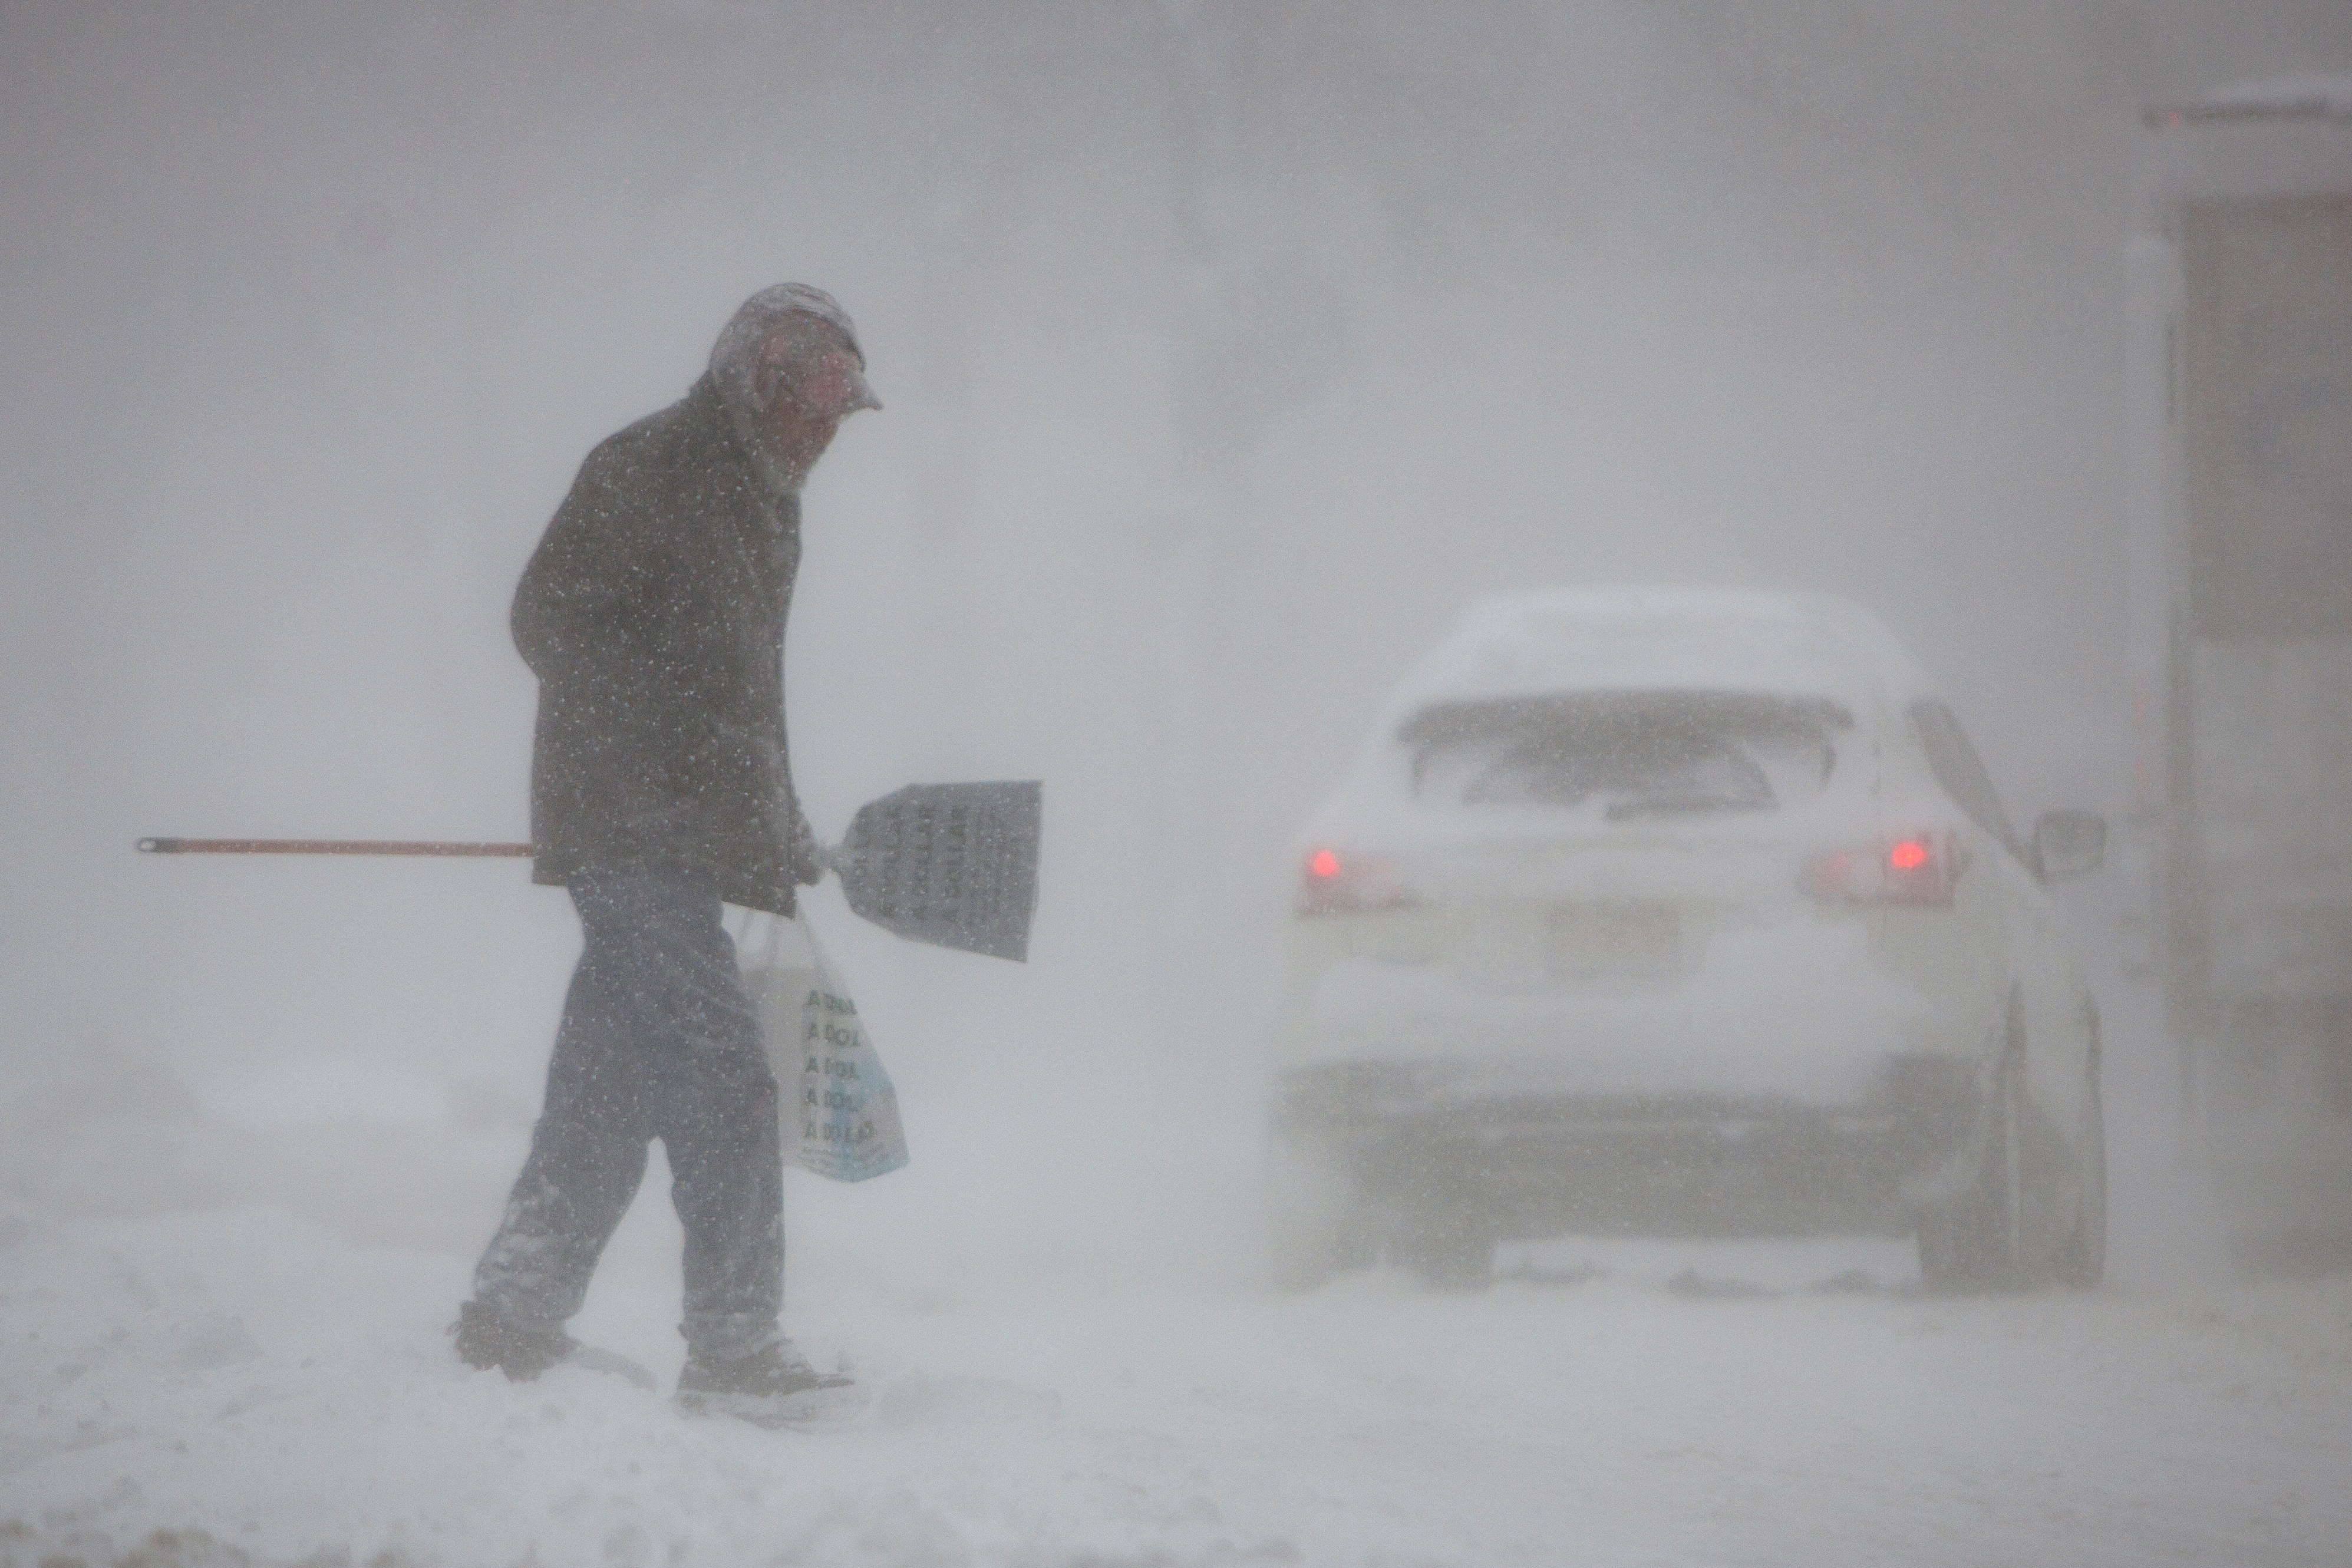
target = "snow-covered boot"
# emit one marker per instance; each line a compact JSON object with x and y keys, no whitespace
{"x":771,"y":1386}
{"x":488,"y":1338}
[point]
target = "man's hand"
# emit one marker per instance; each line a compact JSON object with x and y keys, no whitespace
{"x":807,"y":868}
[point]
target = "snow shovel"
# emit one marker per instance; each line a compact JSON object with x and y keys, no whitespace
{"x":954,"y":865}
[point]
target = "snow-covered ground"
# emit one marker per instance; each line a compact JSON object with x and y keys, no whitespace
{"x":247,"y":1376}
{"x":235,"y":1335}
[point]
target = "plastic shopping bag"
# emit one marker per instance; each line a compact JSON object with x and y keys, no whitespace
{"x":839,"y":1113}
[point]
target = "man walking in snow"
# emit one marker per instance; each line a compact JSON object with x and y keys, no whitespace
{"x":653,"y":613}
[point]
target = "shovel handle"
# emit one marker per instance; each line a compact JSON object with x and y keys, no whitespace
{"x":331,"y":847}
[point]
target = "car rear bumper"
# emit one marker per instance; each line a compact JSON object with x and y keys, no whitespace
{"x":1797,"y":1011}
{"x":1443,"y":1137}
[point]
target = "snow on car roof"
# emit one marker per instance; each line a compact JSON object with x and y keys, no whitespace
{"x":1637,"y":639}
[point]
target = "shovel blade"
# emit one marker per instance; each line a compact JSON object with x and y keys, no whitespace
{"x":954,"y":865}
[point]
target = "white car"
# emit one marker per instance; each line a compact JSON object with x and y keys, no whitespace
{"x":1682,"y":911}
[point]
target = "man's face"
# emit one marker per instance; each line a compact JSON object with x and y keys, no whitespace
{"x":802,"y":434}
{"x":828,"y":385}
{"x":818,"y":386}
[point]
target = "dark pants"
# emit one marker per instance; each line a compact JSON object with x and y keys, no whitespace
{"x":659,"y":1041}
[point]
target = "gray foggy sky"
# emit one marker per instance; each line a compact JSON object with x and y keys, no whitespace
{"x":1230,"y":352}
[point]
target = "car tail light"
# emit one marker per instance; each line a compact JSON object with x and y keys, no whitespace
{"x":1919,"y":870}
{"x":1335,"y":881}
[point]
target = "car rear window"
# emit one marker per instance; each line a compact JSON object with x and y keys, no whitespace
{"x":1630,"y":755}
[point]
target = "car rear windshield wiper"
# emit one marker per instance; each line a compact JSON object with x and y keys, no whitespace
{"x":1678,"y":805}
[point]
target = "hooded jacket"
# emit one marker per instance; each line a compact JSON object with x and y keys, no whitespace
{"x":653,"y":613}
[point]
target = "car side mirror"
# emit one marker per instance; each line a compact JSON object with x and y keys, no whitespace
{"x":2069,"y":843}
